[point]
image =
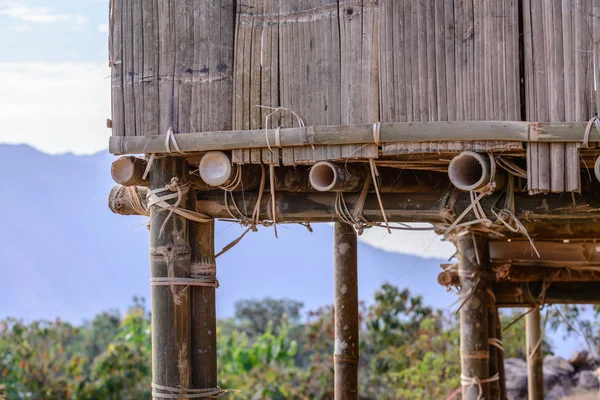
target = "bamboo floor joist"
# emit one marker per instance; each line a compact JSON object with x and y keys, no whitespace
{"x":572,"y":132}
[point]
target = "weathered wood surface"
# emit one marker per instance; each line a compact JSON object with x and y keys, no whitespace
{"x":529,"y":294}
{"x":535,"y":354}
{"x":474,"y":346}
{"x":427,"y":206}
{"x":171,"y":66}
{"x":171,"y":305}
{"x":312,"y":57}
{"x":346,"y":345}
{"x":509,"y":273}
{"x":559,"y":42}
{"x":553,"y":253}
{"x":204,"y":310}
{"x":572,"y":132}
{"x":448,"y":61}
{"x":495,"y":352}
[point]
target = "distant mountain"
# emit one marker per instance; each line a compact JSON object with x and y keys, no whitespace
{"x":63,"y":253}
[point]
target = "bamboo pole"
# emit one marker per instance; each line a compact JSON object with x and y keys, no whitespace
{"x":501,"y":371}
{"x":346,"y":313}
{"x":535,"y":373}
{"x":204,"y":312}
{"x":357,"y":134}
{"x":540,"y":214}
{"x":474,"y":353}
{"x":169,"y":257}
{"x":495,"y":357}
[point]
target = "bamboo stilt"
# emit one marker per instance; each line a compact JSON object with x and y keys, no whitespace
{"x":535,"y":375}
{"x":204,"y":318}
{"x":474,"y":353}
{"x":346,"y":313}
{"x":501,"y":371}
{"x":495,"y":357}
{"x":169,"y":257}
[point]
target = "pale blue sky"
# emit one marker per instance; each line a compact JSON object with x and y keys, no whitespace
{"x":54,"y":75}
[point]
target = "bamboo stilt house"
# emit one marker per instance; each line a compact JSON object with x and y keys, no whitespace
{"x":476,"y":116}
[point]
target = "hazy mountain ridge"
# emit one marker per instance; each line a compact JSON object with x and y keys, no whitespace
{"x":65,"y":254}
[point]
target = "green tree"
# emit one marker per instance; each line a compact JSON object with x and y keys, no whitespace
{"x":255,"y":315}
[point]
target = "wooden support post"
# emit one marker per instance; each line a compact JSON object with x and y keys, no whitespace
{"x":501,"y":371}
{"x":346,"y":313}
{"x":535,"y":375}
{"x":474,"y":256}
{"x":495,"y":357}
{"x":169,"y":257}
{"x":204,"y":318}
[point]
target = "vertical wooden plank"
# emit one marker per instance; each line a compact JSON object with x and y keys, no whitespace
{"x":346,"y":350}
{"x":138,"y":65}
{"x":116,"y":63}
{"x":440,"y":66}
{"x":557,"y":167}
{"x":431,"y":62}
{"x":183,"y":70}
{"x":449,"y":35}
{"x":166,"y":53}
{"x":129,"y":70}
{"x":543,"y":164}
{"x":460,"y":60}
{"x":150,"y":77}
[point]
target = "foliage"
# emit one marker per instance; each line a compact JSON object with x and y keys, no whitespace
{"x":408,"y":351}
{"x":254,"y":316}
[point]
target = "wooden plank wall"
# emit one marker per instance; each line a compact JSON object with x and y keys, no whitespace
{"x":316,"y":57}
{"x":446,"y":60}
{"x":560,"y":43}
{"x":356,"y":61}
{"x":172,"y":66}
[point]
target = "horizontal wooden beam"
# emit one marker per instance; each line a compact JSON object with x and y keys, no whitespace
{"x":530,"y":294}
{"x":520,"y":274}
{"x":425,"y":206}
{"x":574,"y":254}
{"x":357,"y":134}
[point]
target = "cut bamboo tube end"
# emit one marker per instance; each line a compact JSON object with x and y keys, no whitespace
{"x":129,"y":171}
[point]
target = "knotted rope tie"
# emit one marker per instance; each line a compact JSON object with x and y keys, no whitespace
{"x":496,"y":343}
{"x":170,"y":138}
{"x":468,"y":381}
{"x":588,"y":130}
{"x":204,"y":281}
{"x":278,"y":110}
{"x":174,"y":191}
{"x":166,"y":392}
{"x":136,"y":201}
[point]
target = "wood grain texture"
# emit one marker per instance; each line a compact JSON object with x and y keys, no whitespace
{"x":171,"y":305}
{"x":347,"y":325}
{"x":474,"y":348}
